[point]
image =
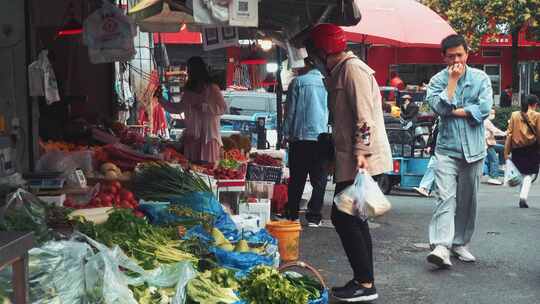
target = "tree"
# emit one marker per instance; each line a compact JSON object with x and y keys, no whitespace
{"x":476,"y":18}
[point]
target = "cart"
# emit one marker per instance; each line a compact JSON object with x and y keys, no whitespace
{"x":409,"y":157}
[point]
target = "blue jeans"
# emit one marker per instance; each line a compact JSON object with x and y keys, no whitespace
{"x":454,"y":215}
{"x":429,"y":175}
{"x":494,"y":159}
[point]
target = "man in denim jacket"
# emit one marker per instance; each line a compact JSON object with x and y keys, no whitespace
{"x":462,"y":97}
{"x":306,"y":118}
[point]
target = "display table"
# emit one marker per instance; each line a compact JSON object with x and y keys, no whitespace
{"x":14,"y":247}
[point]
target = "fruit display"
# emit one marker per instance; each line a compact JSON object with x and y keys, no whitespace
{"x":49,"y":146}
{"x":227,"y":173}
{"x":266,"y":160}
{"x":122,"y":156}
{"x":110,"y":195}
{"x":235,"y":154}
{"x":111,"y":172}
{"x":172,"y":156}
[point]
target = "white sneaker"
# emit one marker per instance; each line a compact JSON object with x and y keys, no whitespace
{"x":494,"y":181}
{"x":440,"y":256}
{"x":421,"y":191}
{"x":463,"y":254}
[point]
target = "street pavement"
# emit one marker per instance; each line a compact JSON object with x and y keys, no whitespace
{"x":506,"y":244}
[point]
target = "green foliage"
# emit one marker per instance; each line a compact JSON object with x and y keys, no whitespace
{"x":502,"y":115}
{"x":476,"y":18}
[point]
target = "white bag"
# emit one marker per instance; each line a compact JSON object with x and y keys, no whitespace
{"x":351,"y":200}
{"x":376,"y":202}
{"x":512,"y":176}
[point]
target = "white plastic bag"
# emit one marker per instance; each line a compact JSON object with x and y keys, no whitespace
{"x":512,"y":176}
{"x":351,"y":200}
{"x":376,"y":202}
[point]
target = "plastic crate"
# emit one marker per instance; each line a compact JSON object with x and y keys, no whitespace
{"x":264,"y":173}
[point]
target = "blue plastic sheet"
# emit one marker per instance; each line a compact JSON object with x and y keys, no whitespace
{"x":159,"y":214}
{"x":241,"y":261}
{"x":204,"y":202}
{"x":322,"y":300}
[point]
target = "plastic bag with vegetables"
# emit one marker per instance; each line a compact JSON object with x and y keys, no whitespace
{"x":56,"y":273}
{"x":23,"y":211}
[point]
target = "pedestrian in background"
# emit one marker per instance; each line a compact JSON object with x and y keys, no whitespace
{"x":408,"y":112}
{"x":306,"y":118}
{"x":492,"y":149}
{"x":462,"y":97}
{"x":522,"y":144}
{"x":202,"y":104}
{"x":506,"y":97}
{"x":428,"y":180}
{"x":360,"y":142}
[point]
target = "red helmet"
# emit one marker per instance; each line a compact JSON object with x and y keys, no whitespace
{"x":329,"y":37}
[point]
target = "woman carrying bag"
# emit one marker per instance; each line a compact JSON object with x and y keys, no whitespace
{"x":522,"y":144}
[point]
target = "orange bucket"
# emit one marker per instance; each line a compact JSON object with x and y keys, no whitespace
{"x":288,"y":235}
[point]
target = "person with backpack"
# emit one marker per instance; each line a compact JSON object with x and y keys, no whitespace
{"x":521,"y":144}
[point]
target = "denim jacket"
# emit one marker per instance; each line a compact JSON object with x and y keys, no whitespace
{"x":462,"y":138}
{"x":307,"y":109}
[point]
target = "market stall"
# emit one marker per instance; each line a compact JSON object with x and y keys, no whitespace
{"x":117,"y":211}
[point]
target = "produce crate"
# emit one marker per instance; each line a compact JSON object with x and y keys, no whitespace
{"x":264,"y":173}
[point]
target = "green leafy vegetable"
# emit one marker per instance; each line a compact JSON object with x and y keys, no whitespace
{"x":162,"y":182}
{"x":265,"y":285}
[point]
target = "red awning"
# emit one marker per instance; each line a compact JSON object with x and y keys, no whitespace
{"x":403,"y":23}
{"x":182,"y":37}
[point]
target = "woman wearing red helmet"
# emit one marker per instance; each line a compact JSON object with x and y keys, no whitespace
{"x":360,"y":143}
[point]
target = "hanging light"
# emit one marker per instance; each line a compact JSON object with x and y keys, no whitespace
{"x":72,"y":26}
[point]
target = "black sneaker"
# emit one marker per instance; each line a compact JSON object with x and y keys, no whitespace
{"x":349,"y":284}
{"x":523,"y":204}
{"x":354,"y":292}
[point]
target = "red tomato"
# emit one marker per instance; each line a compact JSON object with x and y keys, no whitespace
{"x":113,"y":190}
{"x":126,"y":195}
{"x":117,"y":185}
{"x":125,"y":204}
{"x":138,"y":213}
{"x":105,"y":198}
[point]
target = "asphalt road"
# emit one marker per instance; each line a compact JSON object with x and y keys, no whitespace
{"x":506,"y":244}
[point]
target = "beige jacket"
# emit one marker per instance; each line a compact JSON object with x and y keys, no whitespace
{"x":519,"y":134}
{"x":357,"y":119}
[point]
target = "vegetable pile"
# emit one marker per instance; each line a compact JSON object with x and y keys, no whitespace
{"x":265,"y":285}
{"x":235,"y":154}
{"x":161,"y":182}
{"x":266,"y":160}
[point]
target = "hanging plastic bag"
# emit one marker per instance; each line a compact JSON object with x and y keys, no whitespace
{"x":512,"y":176}
{"x":376,"y":203}
{"x":23,"y":211}
{"x":351,"y":200}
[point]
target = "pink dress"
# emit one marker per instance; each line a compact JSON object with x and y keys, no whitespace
{"x":202,"y":139}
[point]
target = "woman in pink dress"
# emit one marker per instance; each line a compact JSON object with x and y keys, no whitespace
{"x":202,"y":104}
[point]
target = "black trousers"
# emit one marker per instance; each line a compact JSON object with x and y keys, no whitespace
{"x":305,"y":158}
{"x":356,"y":240}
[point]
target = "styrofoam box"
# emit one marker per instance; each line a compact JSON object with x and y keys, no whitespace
{"x":246,"y":222}
{"x":57,"y":200}
{"x":260,"y":209}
